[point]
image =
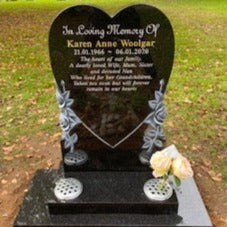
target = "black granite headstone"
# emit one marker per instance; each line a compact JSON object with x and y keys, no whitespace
{"x":112,"y":67}
{"x":111,"y":73}
{"x":109,"y":67}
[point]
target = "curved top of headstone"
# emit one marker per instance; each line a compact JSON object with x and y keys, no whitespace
{"x":111,"y":65}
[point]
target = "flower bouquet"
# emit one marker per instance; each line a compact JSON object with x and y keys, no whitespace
{"x":165,"y":163}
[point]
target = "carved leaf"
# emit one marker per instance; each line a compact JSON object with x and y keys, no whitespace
{"x":161,"y":134}
{"x":158,"y":96}
{"x":58,"y":94}
{"x":152,"y":104}
{"x":158,"y":143}
{"x":74,"y":138}
{"x":67,"y":142}
{"x":150,"y":120}
{"x":69,"y":102}
{"x":70,"y":140}
{"x":66,"y":95}
{"x":60,"y":98}
{"x":146,"y":145}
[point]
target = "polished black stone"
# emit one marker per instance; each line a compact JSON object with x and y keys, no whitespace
{"x":109,"y":114}
{"x":113,"y":193}
{"x":109,"y":161}
{"x":40,"y":199}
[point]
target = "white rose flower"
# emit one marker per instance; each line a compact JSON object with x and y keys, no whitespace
{"x":182,"y":168}
{"x":160,"y":162}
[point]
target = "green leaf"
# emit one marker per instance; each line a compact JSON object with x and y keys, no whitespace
{"x":177,"y":180}
{"x":165,"y":177}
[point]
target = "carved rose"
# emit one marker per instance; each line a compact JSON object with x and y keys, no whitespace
{"x":65,"y":123}
{"x":159,"y":114}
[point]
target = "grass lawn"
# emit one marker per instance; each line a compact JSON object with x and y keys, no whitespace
{"x":196,"y":96}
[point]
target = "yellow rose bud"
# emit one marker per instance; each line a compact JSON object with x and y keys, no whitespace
{"x":161,"y":163}
{"x":182,"y":168}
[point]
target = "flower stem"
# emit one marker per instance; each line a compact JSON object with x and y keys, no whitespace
{"x":163,"y":182}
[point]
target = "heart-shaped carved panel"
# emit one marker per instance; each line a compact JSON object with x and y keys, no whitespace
{"x":111,"y":65}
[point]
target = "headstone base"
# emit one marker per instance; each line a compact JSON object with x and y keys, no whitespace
{"x":104,"y":203}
